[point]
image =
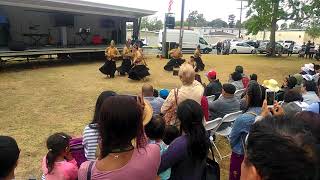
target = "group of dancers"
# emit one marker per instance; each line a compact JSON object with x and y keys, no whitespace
{"x":134,"y":64}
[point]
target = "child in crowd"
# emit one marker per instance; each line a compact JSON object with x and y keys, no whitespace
{"x":59,"y":164}
{"x":9,"y":155}
{"x":170,"y":134}
{"x":155,"y":132}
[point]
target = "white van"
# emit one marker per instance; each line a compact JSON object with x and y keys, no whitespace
{"x":191,"y":40}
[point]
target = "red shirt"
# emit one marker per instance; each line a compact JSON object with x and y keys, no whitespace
{"x":205,"y":107}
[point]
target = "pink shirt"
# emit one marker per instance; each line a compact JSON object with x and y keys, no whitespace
{"x":143,"y":165}
{"x":63,"y":170}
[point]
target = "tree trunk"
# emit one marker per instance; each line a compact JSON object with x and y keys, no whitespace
{"x":274,"y":27}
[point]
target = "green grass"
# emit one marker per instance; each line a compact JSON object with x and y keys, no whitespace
{"x":35,"y":103}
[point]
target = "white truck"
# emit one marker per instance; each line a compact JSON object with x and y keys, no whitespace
{"x":191,"y":40}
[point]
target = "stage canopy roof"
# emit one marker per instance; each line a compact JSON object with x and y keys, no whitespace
{"x":80,"y":6}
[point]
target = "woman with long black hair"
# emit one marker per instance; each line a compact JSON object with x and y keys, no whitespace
{"x":186,"y":155}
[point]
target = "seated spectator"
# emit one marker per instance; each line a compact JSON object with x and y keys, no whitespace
{"x":119,"y":159}
{"x":190,"y":89}
{"x":282,"y":143}
{"x":288,"y":84}
{"x":299,"y":79}
{"x":90,"y":133}
{"x":293,"y":96}
{"x":163,"y":93}
{"x":254,"y":77}
{"x":155,"y":132}
{"x":315,"y":107}
{"x":310,"y":92}
{"x":245,"y":79}
{"x":186,"y":155}
{"x":59,"y":164}
{"x":9,"y":155}
{"x":214,"y":87}
{"x":170,"y":134}
{"x":155,"y":102}
{"x":242,"y":126}
{"x":225,"y":104}
{"x":236,"y":80}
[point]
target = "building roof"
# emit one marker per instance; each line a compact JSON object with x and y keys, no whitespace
{"x":80,"y":6}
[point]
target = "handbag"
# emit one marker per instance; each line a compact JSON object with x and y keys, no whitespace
{"x":170,"y":117}
{"x":212,"y":169}
{"x":77,"y":150}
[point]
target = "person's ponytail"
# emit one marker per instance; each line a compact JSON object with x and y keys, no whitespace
{"x":50,"y":159}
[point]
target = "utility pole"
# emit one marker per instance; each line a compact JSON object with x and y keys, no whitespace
{"x":164,"y":37}
{"x":181,"y":24}
{"x":241,"y":8}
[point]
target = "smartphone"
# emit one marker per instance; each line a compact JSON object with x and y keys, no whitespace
{"x":270,"y":97}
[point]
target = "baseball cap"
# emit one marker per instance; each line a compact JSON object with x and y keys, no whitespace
{"x":211,"y":74}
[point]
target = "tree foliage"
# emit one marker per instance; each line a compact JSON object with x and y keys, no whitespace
{"x":218,"y":23}
{"x":153,"y":24}
{"x":196,"y":19}
{"x":284,"y":26}
{"x":313,"y":31}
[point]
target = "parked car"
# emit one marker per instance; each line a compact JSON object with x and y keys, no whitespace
{"x":254,"y":44}
{"x":279,"y":49}
{"x":241,"y":48}
{"x":265,"y":47}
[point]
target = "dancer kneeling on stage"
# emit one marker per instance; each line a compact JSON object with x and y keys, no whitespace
{"x":127,"y":59}
{"x":175,"y":61}
{"x":109,"y":67}
{"x":197,"y":57}
{"x":139,"y":69}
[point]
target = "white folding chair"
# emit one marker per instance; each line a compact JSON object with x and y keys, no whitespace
{"x":239,"y":93}
{"x":211,"y":98}
{"x":212,"y":126}
{"x":228,"y":118}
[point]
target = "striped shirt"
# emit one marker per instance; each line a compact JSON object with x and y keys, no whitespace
{"x":90,"y":141}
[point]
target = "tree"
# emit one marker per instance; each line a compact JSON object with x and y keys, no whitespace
{"x":218,"y":23}
{"x":264,"y":14}
{"x":195,"y":19}
{"x":313,"y":31}
{"x":295,"y":25}
{"x":239,"y":24}
{"x":151,"y":24}
{"x":231,"y":19}
{"x":284,"y":26}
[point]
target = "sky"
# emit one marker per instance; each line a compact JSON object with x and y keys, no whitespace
{"x":211,"y":9}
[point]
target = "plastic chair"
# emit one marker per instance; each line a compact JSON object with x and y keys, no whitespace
{"x":239,"y":93}
{"x":212,"y":126}
{"x":211,"y":98}
{"x":228,"y":118}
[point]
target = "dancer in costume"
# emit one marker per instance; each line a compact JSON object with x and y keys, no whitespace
{"x":127,"y":59}
{"x":175,"y":61}
{"x":139,"y":69}
{"x":109,"y":67}
{"x":197,"y":57}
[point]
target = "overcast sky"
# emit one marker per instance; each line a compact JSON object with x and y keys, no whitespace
{"x":211,"y":9}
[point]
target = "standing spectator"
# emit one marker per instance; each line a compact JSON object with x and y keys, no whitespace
{"x":186,"y":155}
{"x":59,"y":164}
{"x":245,"y":79}
{"x":225,"y":104}
{"x":310,"y":92}
{"x":241,"y":128}
{"x":155,"y":102}
{"x":219,"y":48}
{"x":290,"y":49}
{"x":308,"y":46}
{"x":312,"y":50}
{"x":214,"y":87}
{"x":9,"y":155}
{"x":236,"y":80}
{"x":279,"y":148}
{"x":118,"y":127}
{"x":190,"y":89}
{"x":90,"y":132}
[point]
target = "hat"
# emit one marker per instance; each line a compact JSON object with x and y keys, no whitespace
{"x":307,"y":77}
{"x":147,"y":112}
{"x":308,"y":67}
{"x":164,"y":93}
{"x":211,"y":74}
{"x":112,"y":43}
{"x":299,"y":79}
{"x":271,"y":84}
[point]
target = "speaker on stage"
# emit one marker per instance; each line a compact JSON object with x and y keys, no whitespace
{"x":17,"y":46}
{"x":170,"y":21}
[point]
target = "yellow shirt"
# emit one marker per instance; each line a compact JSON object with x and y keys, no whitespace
{"x":138,"y":57}
{"x":176,"y":53}
{"x":127,"y":52}
{"x":197,"y":53}
{"x":111,"y":53}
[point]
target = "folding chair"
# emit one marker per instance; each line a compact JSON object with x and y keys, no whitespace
{"x":211,"y":98}
{"x":239,"y":93}
{"x":212,"y":126}
{"x":228,"y":118}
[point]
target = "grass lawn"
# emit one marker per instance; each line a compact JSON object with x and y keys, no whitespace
{"x":35,"y":103}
